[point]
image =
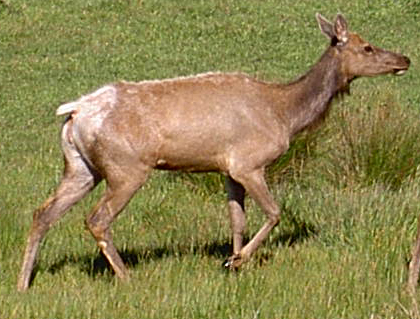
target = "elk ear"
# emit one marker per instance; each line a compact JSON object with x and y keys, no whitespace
{"x":326,"y":26}
{"x":341,"y":29}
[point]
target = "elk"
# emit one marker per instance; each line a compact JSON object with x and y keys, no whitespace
{"x":225,"y":122}
{"x":414,"y":265}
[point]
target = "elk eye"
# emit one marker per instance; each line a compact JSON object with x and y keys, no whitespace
{"x":368,"y":49}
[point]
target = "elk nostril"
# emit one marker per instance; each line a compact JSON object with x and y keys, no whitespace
{"x":407,"y":60}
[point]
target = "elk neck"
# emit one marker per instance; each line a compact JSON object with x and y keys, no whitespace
{"x":307,"y":100}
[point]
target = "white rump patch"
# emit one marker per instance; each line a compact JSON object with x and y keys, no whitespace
{"x":104,"y":95}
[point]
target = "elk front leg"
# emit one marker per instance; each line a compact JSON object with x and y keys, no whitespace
{"x":254,"y":183}
{"x":236,"y":195}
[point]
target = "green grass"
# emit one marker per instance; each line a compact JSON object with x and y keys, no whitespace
{"x":349,"y":190}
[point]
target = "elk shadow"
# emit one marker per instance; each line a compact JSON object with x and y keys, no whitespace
{"x":95,"y":264}
{"x":300,"y":232}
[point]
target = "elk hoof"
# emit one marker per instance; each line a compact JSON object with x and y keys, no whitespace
{"x":233,"y":262}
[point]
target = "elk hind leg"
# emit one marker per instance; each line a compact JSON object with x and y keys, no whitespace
{"x":414,"y":267}
{"x":116,"y":197}
{"x":77,"y":181}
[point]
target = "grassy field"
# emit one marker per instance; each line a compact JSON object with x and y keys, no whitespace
{"x":350,"y":191}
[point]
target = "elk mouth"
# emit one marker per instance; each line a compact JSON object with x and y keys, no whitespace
{"x":400,"y":71}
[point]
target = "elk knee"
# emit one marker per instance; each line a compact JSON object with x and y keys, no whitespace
{"x":96,"y":227}
{"x":44,"y":216}
{"x":274,"y":218}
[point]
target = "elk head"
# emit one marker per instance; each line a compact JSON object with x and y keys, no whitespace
{"x":358,"y":57}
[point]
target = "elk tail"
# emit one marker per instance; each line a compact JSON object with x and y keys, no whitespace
{"x":67,"y":108}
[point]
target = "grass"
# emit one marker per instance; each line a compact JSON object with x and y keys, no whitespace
{"x":349,"y":190}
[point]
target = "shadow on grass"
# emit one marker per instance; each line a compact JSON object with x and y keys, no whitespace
{"x":300,"y":231}
{"x":133,"y":257}
{"x":98,"y":265}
